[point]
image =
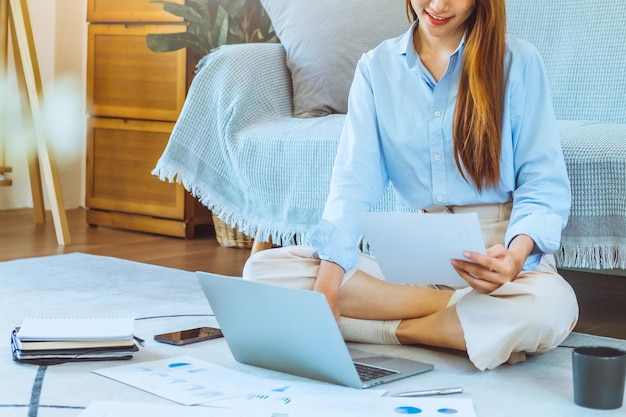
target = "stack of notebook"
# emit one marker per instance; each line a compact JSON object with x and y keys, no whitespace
{"x":65,"y":339}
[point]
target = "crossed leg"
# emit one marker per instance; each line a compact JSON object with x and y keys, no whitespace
{"x":424,"y":314}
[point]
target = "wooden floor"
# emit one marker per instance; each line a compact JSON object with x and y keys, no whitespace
{"x":602,"y":297}
{"x":21,"y":238}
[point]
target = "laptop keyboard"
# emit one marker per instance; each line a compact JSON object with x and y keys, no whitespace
{"x":368,"y":373}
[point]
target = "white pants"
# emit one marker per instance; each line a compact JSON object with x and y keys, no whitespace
{"x":532,"y":314}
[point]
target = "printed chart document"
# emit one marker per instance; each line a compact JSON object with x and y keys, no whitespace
{"x":190,"y":381}
{"x":416,"y":248}
{"x":286,"y":395}
{"x":185,"y":380}
{"x":215,"y":391}
{"x":383,"y":407}
{"x":315,"y":406}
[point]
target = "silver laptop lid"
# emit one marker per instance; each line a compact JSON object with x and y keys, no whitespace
{"x":292,"y":331}
{"x":278,"y":328}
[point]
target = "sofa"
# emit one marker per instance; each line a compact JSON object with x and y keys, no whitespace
{"x":257,"y":136}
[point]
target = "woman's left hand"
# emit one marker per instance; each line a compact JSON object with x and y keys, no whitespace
{"x":488,"y":272}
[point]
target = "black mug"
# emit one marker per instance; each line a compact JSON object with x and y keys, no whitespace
{"x":599,"y":375}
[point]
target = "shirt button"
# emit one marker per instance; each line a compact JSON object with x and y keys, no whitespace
{"x":439,"y":198}
{"x":437,"y":113}
{"x":437,"y":157}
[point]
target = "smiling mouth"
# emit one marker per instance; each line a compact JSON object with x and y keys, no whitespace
{"x":437,"y":18}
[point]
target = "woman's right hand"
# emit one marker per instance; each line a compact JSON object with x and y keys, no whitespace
{"x":328,"y":282}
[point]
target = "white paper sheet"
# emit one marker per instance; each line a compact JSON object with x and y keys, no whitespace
{"x":291,"y":394}
{"x":414,"y":248}
{"x":184,"y":379}
{"x":313,"y":406}
{"x":190,"y":381}
{"x":383,"y":407}
{"x":228,"y":393}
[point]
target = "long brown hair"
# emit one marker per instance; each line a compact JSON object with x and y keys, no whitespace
{"x":477,"y":128}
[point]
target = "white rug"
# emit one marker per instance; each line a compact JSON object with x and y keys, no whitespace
{"x":167,"y":299}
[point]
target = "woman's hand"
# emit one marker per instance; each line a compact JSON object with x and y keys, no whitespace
{"x":328,"y":282}
{"x":486,"y":273}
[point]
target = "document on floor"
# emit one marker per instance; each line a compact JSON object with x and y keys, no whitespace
{"x":190,"y":381}
{"x":329,"y":406}
{"x":314,"y":406}
{"x":185,"y":380}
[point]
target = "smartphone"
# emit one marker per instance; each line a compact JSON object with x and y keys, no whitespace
{"x":185,"y":337}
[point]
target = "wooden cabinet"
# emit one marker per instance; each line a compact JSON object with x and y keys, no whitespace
{"x":134,"y":97}
{"x":128,"y":80}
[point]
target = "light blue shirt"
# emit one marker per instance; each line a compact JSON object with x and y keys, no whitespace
{"x":399,"y":129}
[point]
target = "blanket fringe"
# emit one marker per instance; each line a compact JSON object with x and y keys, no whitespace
{"x":262,"y":233}
{"x":594,"y":257}
{"x":578,"y":256}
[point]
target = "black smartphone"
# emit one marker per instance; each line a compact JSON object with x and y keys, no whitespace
{"x":185,"y":337}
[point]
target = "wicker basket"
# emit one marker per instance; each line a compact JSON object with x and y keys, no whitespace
{"x":230,"y":237}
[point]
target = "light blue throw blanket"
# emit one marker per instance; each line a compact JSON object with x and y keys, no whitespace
{"x":248,"y":159}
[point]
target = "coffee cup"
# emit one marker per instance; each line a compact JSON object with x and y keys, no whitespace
{"x":599,"y":374}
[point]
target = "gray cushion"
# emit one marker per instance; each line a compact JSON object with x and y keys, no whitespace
{"x":324,"y":40}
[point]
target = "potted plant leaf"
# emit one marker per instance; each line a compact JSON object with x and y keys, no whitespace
{"x":211,"y":23}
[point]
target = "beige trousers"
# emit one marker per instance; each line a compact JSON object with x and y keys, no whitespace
{"x":532,"y":314}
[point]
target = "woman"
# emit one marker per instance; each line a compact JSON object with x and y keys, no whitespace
{"x":458,"y":117}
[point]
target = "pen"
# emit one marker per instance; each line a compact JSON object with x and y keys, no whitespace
{"x":427,"y":392}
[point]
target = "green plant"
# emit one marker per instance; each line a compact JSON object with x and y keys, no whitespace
{"x":211,"y":23}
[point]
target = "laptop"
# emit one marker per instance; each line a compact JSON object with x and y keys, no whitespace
{"x":414,"y":248}
{"x":294,"y":331}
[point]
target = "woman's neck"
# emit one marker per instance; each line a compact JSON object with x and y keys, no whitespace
{"x":435,"y":52}
{"x":424,"y":43}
